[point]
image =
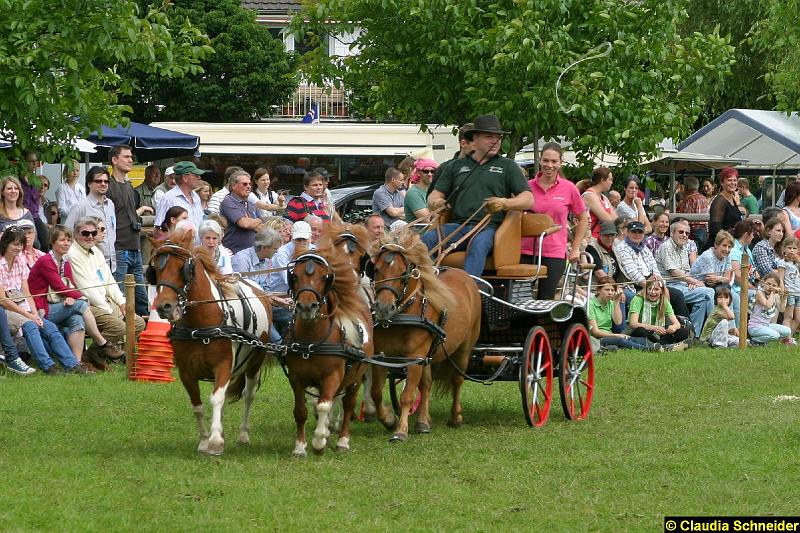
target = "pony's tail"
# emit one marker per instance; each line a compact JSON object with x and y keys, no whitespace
{"x":444,"y":373}
{"x":258,"y":360}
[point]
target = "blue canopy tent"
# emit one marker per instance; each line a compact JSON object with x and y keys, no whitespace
{"x":148,"y":142}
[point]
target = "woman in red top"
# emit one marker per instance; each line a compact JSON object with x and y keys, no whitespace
{"x":71,"y":314}
{"x":600,"y":208}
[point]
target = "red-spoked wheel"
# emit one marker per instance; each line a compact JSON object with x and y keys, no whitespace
{"x":576,"y":373}
{"x":536,"y":377}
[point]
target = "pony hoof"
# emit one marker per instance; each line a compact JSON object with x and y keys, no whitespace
{"x":455,"y":423}
{"x":202,"y":447}
{"x":398,"y":437}
{"x":299,"y":450}
{"x":391,"y":423}
{"x":342,"y":449}
{"x":243,"y":440}
{"x":299,"y":454}
{"x":422,"y":427}
{"x":318,"y":451}
{"x":369,"y":418}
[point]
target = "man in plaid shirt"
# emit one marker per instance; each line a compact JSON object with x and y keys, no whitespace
{"x":694,"y":203}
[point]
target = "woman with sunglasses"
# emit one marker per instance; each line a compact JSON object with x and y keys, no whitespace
{"x":415,"y":204}
{"x":41,"y":335}
{"x":52,"y":282}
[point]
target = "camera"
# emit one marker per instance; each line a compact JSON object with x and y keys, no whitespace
{"x":136,"y":226}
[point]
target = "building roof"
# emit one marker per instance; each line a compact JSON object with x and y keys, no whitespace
{"x":272,"y":6}
{"x":766,"y":139}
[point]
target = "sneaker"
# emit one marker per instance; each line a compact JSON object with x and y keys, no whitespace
{"x":54,"y":370}
{"x":757,"y":343}
{"x":657,"y":348}
{"x":18,"y":366}
{"x":111,"y":351}
{"x":77,"y":369}
{"x":677,"y":347}
{"x":789,"y":341}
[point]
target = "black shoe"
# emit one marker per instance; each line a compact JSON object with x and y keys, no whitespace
{"x":54,"y":370}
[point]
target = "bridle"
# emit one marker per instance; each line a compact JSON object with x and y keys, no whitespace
{"x":402,"y":299}
{"x":188,"y":271}
{"x":310,"y":262}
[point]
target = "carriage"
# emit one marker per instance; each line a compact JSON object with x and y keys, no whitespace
{"x":533,"y":342}
{"x":453,"y":332}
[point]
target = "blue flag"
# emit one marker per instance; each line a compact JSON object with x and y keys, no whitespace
{"x":312,"y":117}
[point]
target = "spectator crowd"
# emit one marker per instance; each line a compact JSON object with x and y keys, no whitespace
{"x":659,"y":280}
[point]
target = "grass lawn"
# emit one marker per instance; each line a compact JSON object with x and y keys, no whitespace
{"x":698,"y":432}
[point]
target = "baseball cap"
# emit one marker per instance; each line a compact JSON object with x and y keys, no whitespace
{"x":608,"y":228}
{"x":187,"y":167}
{"x":635,"y":225}
{"x":301,"y":230}
{"x":25,"y":224}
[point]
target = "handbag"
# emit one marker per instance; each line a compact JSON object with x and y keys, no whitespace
{"x":56,"y":297}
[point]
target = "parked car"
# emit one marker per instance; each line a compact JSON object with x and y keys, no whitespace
{"x":353,"y":201}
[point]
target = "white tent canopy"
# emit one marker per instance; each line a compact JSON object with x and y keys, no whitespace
{"x":767,"y":140}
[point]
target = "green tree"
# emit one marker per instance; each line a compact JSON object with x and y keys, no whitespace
{"x":59,"y":66}
{"x":249,"y":74}
{"x":746,"y":87}
{"x":778,"y":36}
{"x":449,"y":61}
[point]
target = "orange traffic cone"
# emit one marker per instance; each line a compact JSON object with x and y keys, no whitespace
{"x":154,"y":350}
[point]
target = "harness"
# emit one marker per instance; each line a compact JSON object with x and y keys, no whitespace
{"x":404,"y":300}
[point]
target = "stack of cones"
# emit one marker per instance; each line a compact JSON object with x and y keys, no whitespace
{"x":154,"y":351}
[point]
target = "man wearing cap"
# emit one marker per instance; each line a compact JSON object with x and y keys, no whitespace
{"x":465,"y":185}
{"x":186,"y":177}
{"x":387,"y":200}
{"x":96,"y":204}
{"x":128,"y":240}
{"x":166,"y":185}
{"x":304,"y":237}
{"x":601,"y":249}
{"x":672,"y":259}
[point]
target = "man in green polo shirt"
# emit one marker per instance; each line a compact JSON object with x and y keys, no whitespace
{"x":484,"y":176}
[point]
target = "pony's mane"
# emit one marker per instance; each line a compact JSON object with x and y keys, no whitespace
{"x":346,"y":285}
{"x":335,"y":230}
{"x":408,"y":243}
{"x":201,"y":254}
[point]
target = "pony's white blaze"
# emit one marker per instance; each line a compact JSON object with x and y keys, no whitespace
{"x":322,"y":432}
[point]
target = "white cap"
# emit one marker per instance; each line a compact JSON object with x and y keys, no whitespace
{"x":169,"y":171}
{"x":301,"y":230}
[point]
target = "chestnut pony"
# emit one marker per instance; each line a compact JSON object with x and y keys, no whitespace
{"x":219,"y":332}
{"x":417,"y":314}
{"x":328,"y":342}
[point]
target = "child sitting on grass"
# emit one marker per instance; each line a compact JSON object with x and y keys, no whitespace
{"x":764,"y":308}
{"x":605,"y":311}
{"x":720,"y":327}
{"x":791,"y":283}
{"x":651,"y":316}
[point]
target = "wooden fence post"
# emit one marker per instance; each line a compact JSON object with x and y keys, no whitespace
{"x":130,"y":324}
{"x":744,"y":299}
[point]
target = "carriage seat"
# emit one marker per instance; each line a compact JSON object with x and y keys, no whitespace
{"x":505,"y":259}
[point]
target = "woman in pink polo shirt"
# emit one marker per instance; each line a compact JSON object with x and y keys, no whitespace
{"x":558,"y":197}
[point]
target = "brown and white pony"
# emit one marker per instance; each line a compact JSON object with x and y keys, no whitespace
{"x":421,"y":313}
{"x":197,"y":300}
{"x":329,"y":340}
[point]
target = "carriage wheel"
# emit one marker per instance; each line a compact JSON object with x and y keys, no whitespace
{"x":396,"y":386}
{"x":576,"y":373}
{"x":536,"y":377}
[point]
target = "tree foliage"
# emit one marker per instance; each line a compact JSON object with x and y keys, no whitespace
{"x":746,"y":87}
{"x":450,"y":61}
{"x":778,"y":36}
{"x":59,"y":66}
{"x":249,"y":73}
